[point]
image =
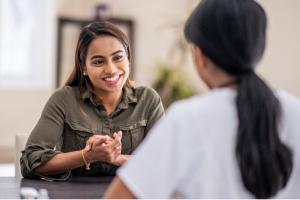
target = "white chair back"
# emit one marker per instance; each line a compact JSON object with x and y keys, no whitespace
{"x":20,"y":142}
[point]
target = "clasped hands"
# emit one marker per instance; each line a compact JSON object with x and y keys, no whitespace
{"x":104,"y":148}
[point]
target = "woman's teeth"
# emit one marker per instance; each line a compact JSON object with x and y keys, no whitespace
{"x":111,"y":78}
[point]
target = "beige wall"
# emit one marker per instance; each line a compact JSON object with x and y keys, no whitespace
{"x":20,"y":110}
{"x":281,"y":63}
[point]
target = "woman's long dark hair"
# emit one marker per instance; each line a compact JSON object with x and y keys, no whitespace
{"x":88,"y":34}
{"x":232,"y":33}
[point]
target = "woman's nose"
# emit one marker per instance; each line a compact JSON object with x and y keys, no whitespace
{"x":110,"y":68}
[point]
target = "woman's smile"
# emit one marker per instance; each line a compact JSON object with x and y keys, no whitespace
{"x":113,"y":80}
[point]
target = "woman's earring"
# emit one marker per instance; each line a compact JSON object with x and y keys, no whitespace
{"x":84,"y":74}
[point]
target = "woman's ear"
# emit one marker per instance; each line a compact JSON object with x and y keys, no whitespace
{"x":199,"y":58}
{"x":84,"y":73}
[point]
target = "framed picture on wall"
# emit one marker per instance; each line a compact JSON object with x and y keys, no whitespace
{"x":67,"y":36}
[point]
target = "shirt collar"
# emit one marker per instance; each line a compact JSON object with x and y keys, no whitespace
{"x":86,"y":94}
{"x":128,"y":97}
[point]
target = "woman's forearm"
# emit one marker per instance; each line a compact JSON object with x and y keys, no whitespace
{"x":61,"y":163}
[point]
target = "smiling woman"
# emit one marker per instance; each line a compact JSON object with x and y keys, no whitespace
{"x":92,"y":125}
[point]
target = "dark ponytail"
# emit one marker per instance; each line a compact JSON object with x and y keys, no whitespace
{"x":232,"y":34}
{"x":265,"y":162}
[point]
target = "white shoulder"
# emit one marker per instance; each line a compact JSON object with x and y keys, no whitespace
{"x":209,"y":105}
{"x":288,"y":102}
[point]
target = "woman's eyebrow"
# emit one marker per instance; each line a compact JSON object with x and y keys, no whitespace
{"x":116,"y":52}
{"x":96,"y":56}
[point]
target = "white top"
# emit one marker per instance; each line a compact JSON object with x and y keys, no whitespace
{"x":191,"y":152}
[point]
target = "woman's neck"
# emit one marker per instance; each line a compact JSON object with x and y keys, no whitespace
{"x":110,"y":101}
{"x":222,"y":79}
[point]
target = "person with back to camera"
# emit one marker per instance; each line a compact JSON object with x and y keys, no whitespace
{"x":91,"y":125}
{"x":240,"y":140}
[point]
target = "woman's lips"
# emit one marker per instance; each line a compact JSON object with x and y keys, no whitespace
{"x":112,"y":80}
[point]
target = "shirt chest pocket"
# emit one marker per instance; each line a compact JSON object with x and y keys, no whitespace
{"x":132,"y":136}
{"x":77,"y":135}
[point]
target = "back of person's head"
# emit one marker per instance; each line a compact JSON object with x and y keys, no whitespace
{"x":88,"y":34}
{"x":232,"y":33}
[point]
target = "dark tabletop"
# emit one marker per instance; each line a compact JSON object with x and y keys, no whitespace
{"x":75,"y":188}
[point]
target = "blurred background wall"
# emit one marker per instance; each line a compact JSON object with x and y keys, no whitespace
{"x":157,"y":31}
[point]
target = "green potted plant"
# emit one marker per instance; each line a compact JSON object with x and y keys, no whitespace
{"x":171,"y":84}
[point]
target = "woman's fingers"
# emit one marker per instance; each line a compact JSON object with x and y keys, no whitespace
{"x":118,"y":136}
{"x":118,"y":144}
{"x":89,"y":144}
{"x":105,"y":148}
{"x":101,"y":139}
{"x":95,"y":140}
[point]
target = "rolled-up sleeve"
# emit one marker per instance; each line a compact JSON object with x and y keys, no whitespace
{"x":46,"y":138}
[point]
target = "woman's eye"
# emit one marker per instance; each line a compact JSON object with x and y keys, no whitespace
{"x":118,"y":57}
{"x":98,"y":62}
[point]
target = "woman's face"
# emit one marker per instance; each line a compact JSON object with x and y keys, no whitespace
{"x":107,"y":65}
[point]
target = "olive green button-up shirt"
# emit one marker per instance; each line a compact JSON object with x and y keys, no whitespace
{"x":70,"y":117}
